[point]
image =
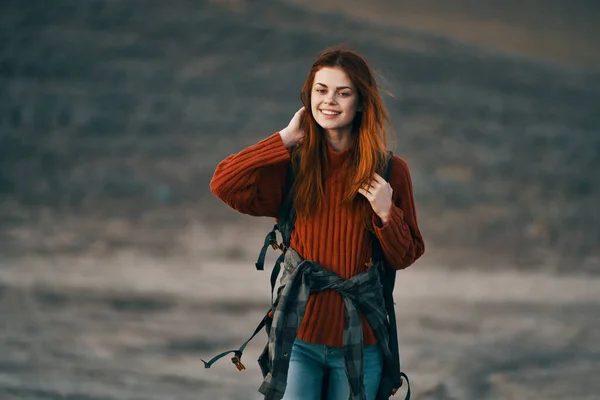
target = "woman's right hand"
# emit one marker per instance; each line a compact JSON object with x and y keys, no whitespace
{"x":292,"y":134}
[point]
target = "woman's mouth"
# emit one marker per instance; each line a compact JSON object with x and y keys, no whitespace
{"x":330,"y":113}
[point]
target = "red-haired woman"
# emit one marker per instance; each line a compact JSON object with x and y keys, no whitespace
{"x":338,"y":141}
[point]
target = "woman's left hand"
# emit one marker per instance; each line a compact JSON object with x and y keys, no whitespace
{"x":379,"y":193}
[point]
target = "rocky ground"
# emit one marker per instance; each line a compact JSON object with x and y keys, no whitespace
{"x":132,"y":327}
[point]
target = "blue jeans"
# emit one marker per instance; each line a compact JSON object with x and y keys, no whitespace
{"x":308,"y":363}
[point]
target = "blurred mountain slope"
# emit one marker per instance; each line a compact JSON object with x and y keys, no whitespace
{"x":114,"y":114}
{"x":562,"y":31}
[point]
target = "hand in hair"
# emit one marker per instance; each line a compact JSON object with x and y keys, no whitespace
{"x":293,"y":134}
{"x":379,"y":193}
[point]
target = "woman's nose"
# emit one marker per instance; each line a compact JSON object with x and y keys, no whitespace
{"x":330,"y":99}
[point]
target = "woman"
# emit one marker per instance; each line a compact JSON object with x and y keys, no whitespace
{"x":338,"y":141}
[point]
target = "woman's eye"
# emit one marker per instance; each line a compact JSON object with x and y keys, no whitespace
{"x":320,"y":91}
{"x":344,"y":94}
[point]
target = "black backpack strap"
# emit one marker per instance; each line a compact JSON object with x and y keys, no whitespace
{"x":287,"y":213}
{"x":236,"y":359}
{"x":388,"y":280}
{"x":270,"y":241}
{"x":405,"y":377}
{"x":377,"y":251}
{"x":285,"y":226}
{"x":285,"y":219}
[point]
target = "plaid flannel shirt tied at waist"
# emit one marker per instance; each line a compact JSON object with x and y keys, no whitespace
{"x":362,"y":292}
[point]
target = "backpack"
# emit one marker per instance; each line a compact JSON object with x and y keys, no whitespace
{"x":285,"y":226}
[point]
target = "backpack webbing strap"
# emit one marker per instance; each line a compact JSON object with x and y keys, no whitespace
{"x":388,"y":279}
{"x":285,"y":225}
{"x":270,"y":241}
{"x":287,"y":214}
{"x":377,"y":250}
{"x":403,"y":376}
{"x":237,"y":353}
{"x":285,"y":220}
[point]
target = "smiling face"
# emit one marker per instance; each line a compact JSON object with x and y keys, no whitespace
{"x":333,"y":99}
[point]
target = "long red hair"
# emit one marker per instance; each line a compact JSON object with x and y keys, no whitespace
{"x":368,"y":152}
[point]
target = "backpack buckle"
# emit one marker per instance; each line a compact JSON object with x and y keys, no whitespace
{"x":277,"y":246}
{"x":238,"y":363}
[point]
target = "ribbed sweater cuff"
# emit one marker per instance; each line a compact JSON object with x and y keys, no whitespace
{"x":395,"y":230}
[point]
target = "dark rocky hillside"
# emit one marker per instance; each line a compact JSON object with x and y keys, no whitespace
{"x":113,"y":115}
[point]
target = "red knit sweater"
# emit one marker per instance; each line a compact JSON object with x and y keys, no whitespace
{"x":253,"y":182}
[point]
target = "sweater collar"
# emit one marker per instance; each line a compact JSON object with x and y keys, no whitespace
{"x":337,"y":158}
